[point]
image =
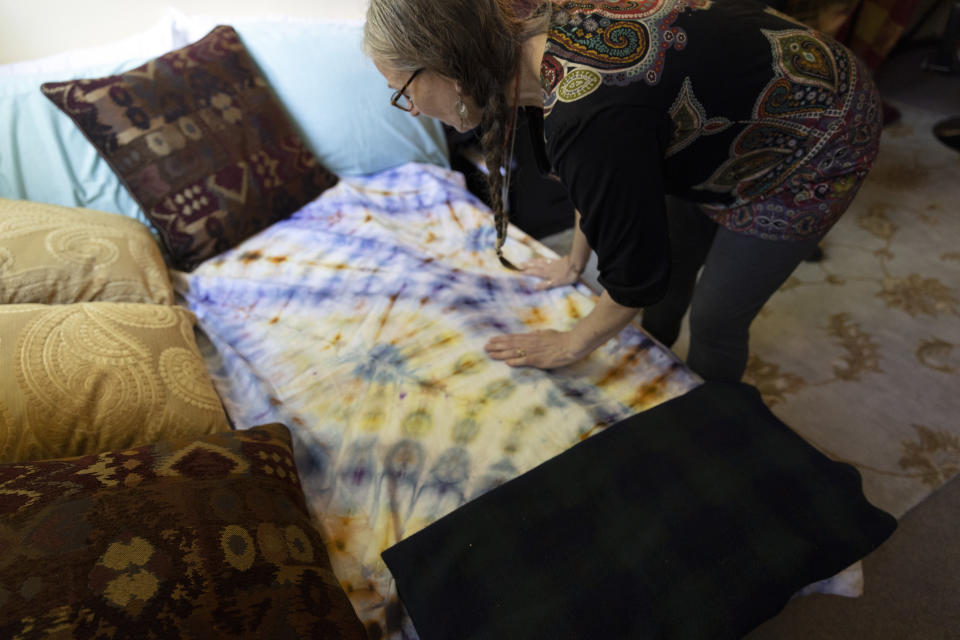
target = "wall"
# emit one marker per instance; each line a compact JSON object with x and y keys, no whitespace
{"x":34,"y":28}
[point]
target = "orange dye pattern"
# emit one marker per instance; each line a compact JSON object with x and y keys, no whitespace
{"x":622,"y":368}
{"x":443,"y":340}
{"x":592,"y":430}
{"x":465,"y":364}
{"x":386,"y":314}
{"x":431,"y":386}
{"x":534,"y":317}
{"x":652,"y":393}
{"x":453,"y":214}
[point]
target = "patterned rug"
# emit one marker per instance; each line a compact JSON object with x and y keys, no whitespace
{"x":860,"y":353}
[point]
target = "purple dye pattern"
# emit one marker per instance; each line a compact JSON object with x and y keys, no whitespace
{"x":367,"y":337}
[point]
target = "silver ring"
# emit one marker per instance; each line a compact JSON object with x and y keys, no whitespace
{"x":521,"y":353}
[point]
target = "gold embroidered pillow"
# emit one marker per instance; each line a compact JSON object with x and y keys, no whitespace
{"x":58,"y":255}
{"x":205,"y":538}
{"x":201,"y":142}
{"x":95,"y":376}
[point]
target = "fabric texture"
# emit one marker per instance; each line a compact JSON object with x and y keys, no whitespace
{"x":204,"y":538}
{"x":698,"y":518}
{"x":817,"y":192}
{"x":200,"y":141}
{"x":730,"y":105}
{"x":95,"y":376}
{"x":58,"y":255}
{"x":342,"y":110}
{"x":360,"y":322}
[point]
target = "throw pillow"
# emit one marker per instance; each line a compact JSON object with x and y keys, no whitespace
{"x":356,"y":132}
{"x":95,"y":376}
{"x":201,"y":142}
{"x":206,"y":538}
{"x":57,"y":255}
{"x":697,"y":519}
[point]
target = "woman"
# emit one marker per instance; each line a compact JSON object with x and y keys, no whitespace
{"x":688,"y":133}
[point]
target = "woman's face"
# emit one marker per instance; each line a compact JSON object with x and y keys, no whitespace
{"x":432,"y":95}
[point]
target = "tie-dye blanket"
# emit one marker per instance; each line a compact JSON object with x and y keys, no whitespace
{"x":360,"y":323}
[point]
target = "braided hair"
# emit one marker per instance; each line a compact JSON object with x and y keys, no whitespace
{"x":476,"y":43}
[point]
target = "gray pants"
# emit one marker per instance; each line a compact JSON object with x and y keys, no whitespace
{"x":740,"y":273}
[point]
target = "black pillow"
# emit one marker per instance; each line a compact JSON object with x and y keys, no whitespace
{"x":699,"y":518}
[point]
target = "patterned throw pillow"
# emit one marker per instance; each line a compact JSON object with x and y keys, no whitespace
{"x":95,"y":376}
{"x":58,"y":255}
{"x":201,"y":142}
{"x":205,"y":538}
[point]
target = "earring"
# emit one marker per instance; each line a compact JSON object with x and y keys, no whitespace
{"x":461,"y":110}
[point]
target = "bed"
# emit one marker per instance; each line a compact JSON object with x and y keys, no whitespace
{"x":355,"y":315}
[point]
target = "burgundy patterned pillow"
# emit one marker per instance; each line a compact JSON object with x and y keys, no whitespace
{"x":201,"y":142}
{"x":206,"y":538}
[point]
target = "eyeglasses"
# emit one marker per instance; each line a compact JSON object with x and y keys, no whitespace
{"x":401,"y":100}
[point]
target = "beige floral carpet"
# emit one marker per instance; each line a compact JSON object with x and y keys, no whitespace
{"x":860,"y":353}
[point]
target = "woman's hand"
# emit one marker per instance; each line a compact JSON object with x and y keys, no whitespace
{"x":547,"y":349}
{"x":555,"y":273}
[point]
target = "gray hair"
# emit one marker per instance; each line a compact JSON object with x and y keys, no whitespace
{"x":476,"y":43}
